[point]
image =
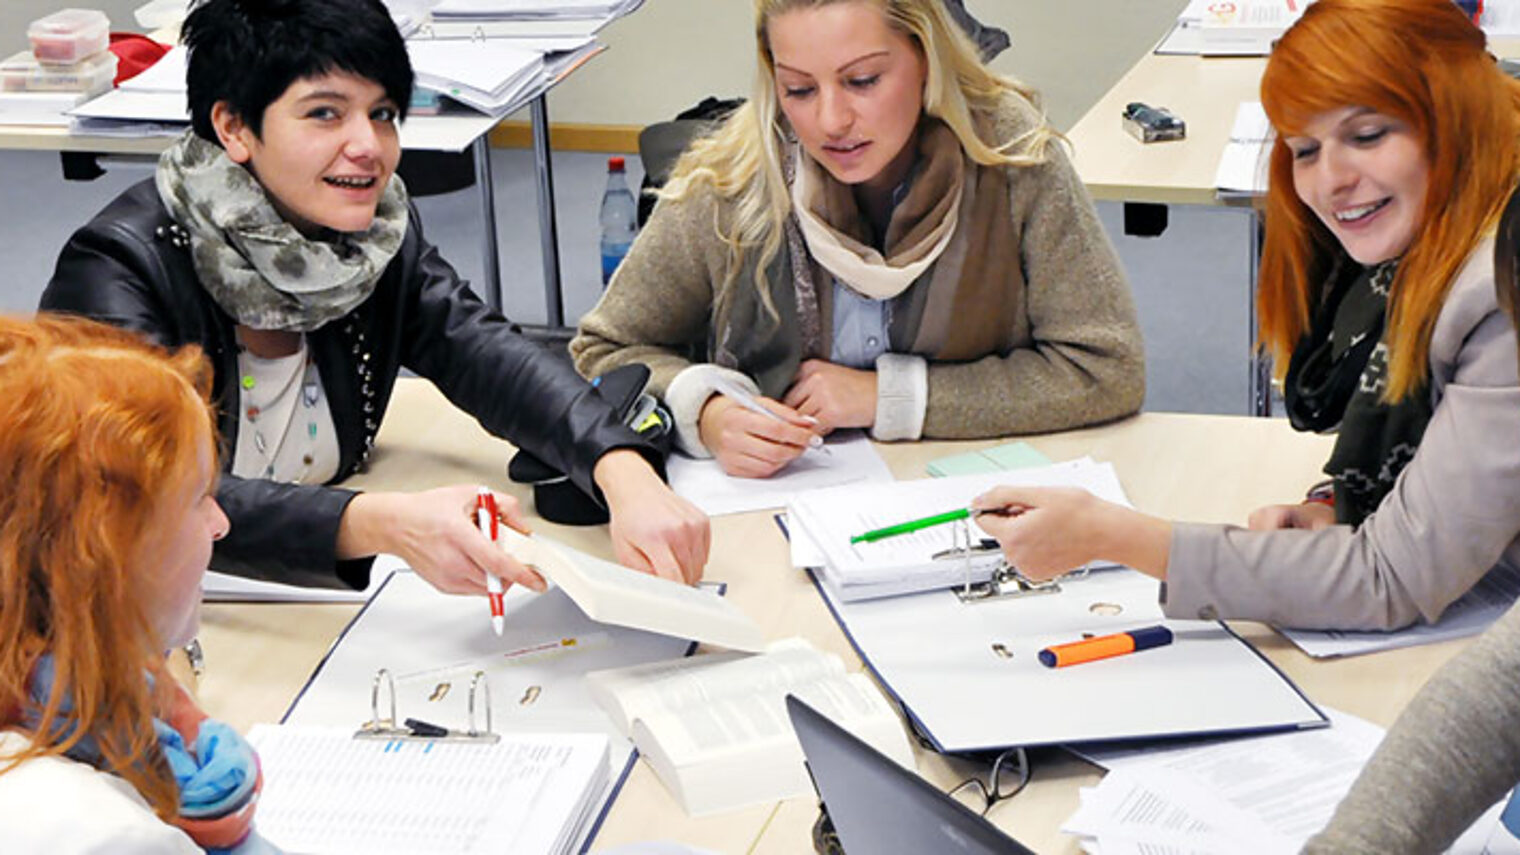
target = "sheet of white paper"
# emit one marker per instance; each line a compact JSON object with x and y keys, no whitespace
{"x":166,"y":75}
{"x":805,"y":553}
{"x":1243,"y":163}
{"x":1494,"y":594}
{"x":1487,"y":835}
{"x":851,"y":459}
{"x":142,"y":106}
{"x":1501,"y":18}
{"x":220,"y":587}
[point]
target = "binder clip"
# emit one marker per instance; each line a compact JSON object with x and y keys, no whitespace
{"x":389,"y":729}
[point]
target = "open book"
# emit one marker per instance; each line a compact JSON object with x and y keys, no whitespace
{"x":612,"y":593}
{"x":715,"y":728}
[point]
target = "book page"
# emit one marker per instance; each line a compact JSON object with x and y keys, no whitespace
{"x":739,"y":751}
{"x":645,"y":690}
{"x":325,"y":791}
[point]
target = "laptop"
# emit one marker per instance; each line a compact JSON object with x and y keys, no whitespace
{"x":880,"y":808}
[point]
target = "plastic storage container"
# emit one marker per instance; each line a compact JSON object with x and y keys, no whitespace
{"x":619,"y":218}
{"x":66,"y":37}
{"x":23,"y":73}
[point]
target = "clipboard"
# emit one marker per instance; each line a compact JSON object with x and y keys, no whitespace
{"x":413,"y":631}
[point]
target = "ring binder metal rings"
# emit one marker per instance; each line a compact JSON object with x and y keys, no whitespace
{"x":388,"y":728}
{"x":1006,"y":580}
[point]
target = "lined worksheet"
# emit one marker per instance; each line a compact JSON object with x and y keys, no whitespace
{"x":325,"y":791}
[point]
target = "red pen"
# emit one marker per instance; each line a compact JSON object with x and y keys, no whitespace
{"x":487,"y":520}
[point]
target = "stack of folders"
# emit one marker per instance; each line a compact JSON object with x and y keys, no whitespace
{"x":489,"y":75}
{"x":823,"y":524}
{"x":328,"y":791}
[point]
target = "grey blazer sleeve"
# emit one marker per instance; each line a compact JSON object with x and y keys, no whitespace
{"x":1454,"y":751}
{"x":1453,"y":514}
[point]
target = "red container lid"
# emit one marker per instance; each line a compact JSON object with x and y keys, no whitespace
{"x":614,"y":164}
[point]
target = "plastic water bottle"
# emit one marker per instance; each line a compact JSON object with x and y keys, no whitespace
{"x":619,"y":218}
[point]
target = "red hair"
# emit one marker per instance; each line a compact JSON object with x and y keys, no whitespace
{"x":96,"y":426}
{"x":1424,"y":63}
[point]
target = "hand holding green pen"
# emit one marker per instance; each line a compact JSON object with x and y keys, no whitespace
{"x":925,"y":522}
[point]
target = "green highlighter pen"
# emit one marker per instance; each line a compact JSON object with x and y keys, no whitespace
{"x":911,"y":526}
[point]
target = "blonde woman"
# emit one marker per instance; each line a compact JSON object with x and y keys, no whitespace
{"x":887,"y":236}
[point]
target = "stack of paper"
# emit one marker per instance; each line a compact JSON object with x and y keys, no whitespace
{"x":153,"y":103}
{"x":487,"y":75}
{"x":325,"y":791}
{"x":1264,"y":794}
{"x":823,"y":522}
{"x":1243,"y":163}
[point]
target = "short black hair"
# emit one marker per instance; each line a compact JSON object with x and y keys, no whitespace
{"x":248,"y":52}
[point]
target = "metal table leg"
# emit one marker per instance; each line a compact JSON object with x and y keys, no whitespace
{"x":1259,"y":362}
{"x":554,"y":304}
{"x":481,"y":150}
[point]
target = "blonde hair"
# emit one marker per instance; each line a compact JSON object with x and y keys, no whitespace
{"x":742,"y":160}
{"x":95,"y":424}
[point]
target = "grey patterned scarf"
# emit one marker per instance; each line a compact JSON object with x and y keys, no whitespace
{"x":259,"y":268}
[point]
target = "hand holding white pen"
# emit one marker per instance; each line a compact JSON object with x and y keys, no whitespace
{"x":751,"y":438}
{"x":741,"y":396}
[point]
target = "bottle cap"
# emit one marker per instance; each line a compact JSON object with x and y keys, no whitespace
{"x":614,"y":164}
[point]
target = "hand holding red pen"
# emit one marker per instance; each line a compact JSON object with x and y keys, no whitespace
{"x":435,"y":533}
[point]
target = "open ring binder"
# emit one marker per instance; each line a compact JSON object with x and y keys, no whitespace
{"x":390,"y":728}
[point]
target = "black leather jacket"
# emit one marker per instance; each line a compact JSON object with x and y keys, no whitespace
{"x":131,"y":266}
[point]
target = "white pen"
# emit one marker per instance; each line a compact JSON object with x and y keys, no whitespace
{"x":741,"y":396}
{"x":486,"y":520}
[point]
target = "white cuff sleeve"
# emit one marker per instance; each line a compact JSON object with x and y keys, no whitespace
{"x":688,"y":393}
{"x":902,"y":396}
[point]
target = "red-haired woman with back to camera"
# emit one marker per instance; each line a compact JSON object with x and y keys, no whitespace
{"x":107,"y":518}
{"x":1397,"y":143}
